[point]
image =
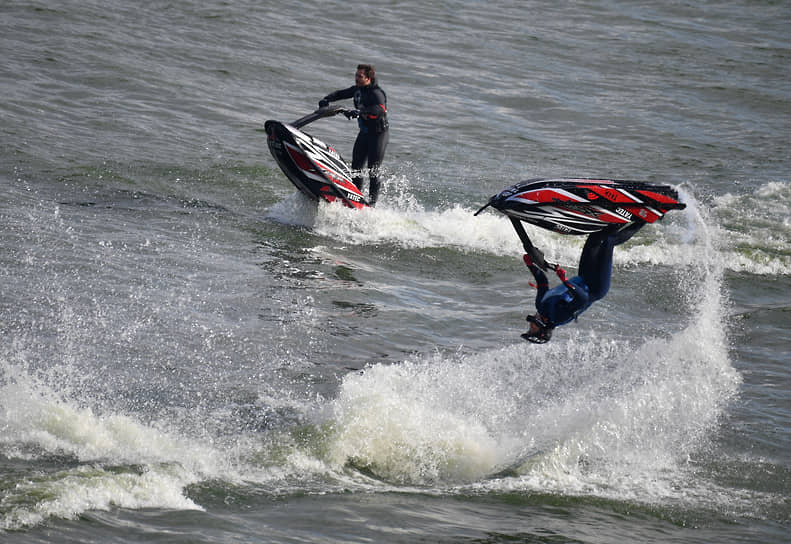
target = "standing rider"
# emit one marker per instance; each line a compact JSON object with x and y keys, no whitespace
{"x":370,"y":104}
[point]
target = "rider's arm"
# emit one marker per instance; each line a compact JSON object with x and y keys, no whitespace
{"x":341,"y":94}
{"x":542,"y":283}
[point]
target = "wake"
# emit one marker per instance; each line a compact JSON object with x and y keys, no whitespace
{"x":617,"y":418}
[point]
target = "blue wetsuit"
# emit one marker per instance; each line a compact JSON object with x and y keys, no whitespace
{"x":374,"y":134}
{"x":565,"y":302}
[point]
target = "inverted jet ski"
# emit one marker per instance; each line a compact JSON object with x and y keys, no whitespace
{"x":315,"y":168}
{"x":581,"y":206}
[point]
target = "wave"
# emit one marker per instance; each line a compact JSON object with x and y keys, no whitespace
{"x":114,"y":459}
{"x":757,"y":226}
{"x":619,"y":419}
{"x":755,"y":229}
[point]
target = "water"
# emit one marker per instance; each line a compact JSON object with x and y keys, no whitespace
{"x":192,"y":352}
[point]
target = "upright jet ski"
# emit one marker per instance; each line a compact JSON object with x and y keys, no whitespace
{"x":581,"y":206}
{"x":315,"y":168}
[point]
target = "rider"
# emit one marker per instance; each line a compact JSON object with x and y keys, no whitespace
{"x":561,"y":304}
{"x":370,"y":102}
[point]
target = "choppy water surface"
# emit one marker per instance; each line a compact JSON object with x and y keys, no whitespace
{"x":193,"y":352}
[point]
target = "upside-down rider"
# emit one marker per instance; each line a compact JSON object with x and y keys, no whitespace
{"x":563,"y":303}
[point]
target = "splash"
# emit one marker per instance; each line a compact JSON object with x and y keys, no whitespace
{"x":401,"y":423}
{"x":756,"y":224}
{"x":118,"y":461}
{"x":90,"y":460}
{"x":297,"y":209}
{"x":67,"y":494}
{"x":618,"y":418}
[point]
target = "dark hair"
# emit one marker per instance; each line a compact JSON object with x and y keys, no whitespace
{"x":370,"y":73}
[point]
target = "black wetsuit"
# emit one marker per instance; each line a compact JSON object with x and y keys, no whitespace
{"x":372,"y":139}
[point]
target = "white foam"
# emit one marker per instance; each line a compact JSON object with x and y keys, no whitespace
{"x":457,"y":227}
{"x":580,"y":416}
{"x":394,"y":420}
{"x":757,"y":228}
{"x":35,"y":420}
{"x":617,"y":418}
{"x":67,"y":494}
{"x":122,"y":462}
{"x":297,"y":210}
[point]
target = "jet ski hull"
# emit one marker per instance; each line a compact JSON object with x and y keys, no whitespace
{"x":315,"y":168}
{"x":583,"y":206}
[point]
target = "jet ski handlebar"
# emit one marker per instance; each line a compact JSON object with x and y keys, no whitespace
{"x":327,"y":111}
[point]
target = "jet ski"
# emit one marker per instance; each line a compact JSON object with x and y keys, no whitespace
{"x":583,"y":206}
{"x":580,"y":206}
{"x":314,"y":167}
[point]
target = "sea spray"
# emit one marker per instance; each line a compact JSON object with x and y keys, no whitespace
{"x":583,"y":414}
{"x":297,"y":209}
{"x":414,"y":226}
{"x":397,"y":422}
{"x":116,"y":461}
{"x":650,"y":407}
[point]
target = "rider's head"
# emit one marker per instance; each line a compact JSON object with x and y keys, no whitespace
{"x":365,"y":75}
{"x":540,"y":330}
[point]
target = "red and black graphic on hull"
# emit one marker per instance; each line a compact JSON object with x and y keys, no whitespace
{"x":582,"y":206}
{"x":315,"y":168}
